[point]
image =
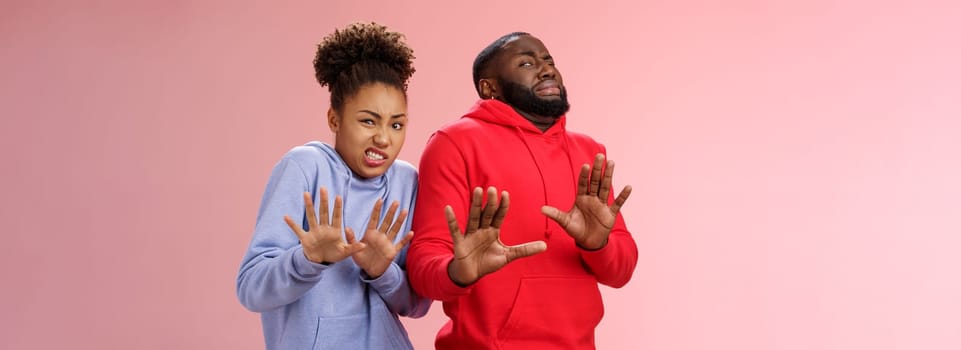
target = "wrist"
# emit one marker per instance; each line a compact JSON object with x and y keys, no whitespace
{"x":315,"y":260}
{"x":367,"y":276}
{"x":592,"y":247}
{"x":371,"y":275}
{"x":452,"y":275}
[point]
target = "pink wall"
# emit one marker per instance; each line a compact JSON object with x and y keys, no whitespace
{"x":796,"y":164}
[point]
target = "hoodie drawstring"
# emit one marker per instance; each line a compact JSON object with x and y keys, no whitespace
{"x":547,"y":232}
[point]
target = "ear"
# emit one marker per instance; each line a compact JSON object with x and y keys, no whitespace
{"x":333,"y":122}
{"x":488,"y":88}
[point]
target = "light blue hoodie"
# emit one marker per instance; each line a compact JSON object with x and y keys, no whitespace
{"x":305,"y":305}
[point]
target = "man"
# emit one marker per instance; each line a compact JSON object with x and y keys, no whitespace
{"x":514,"y":139}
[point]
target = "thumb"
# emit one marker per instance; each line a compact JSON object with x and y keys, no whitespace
{"x":556,"y":214}
{"x":525,"y":250}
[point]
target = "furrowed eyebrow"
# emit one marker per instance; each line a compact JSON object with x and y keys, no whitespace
{"x":372,"y":113}
{"x":378,"y":116}
{"x":526,"y":53}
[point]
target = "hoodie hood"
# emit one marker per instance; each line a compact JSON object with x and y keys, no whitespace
{"x":497,"y":112}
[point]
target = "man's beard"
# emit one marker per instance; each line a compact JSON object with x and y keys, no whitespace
{"x":524,"y":99}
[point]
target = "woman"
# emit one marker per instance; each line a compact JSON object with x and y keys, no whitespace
{"x":334,"y":278}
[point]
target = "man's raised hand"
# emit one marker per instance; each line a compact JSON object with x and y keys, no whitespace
{"x":480,"y":251}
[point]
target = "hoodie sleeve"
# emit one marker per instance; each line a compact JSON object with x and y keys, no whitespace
{"x":443,"y":181}
{"x":394,"y":286}
{"x":275,"y":272}
{"x":614,"y":264}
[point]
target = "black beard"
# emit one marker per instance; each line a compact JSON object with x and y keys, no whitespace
{"x":524,"y":99}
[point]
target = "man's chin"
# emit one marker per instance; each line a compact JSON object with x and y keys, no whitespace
{"x":549,"y":98}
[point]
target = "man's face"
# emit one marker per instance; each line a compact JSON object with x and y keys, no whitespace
{"x":528,"y":79}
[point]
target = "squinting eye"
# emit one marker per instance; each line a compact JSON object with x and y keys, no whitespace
{"x":526,"y":64}
{"x":367,"y":121}
{"x":397,"y":126}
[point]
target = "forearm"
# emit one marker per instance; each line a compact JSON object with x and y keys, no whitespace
{"x":395,"y":289}
{"x":614,"y":264}
{"x":429,"y":276}
{"x":276,"y":278}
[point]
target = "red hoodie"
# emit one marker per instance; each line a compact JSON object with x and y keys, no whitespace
{"x":547,"y":301}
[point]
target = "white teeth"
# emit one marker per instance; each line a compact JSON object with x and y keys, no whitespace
{"x":374,"y":156}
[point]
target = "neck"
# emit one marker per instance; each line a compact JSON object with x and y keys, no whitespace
{"x":541,"y":122}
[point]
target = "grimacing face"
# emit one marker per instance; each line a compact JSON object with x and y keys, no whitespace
{"x":528,"y":80}
{"x":371,"y":129}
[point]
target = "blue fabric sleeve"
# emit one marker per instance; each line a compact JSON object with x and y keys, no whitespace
{"x":275,"y":272}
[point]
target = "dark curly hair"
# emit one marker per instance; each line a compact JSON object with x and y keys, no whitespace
{"x":360,"y":54}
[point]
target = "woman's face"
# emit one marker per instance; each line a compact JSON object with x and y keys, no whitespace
{"x":371,"y":130}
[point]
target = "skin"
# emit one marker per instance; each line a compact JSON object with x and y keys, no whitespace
{"x":372,"y":120}
{"x":369,"y":132}
{"x":590,"y":219}
{"x":524,"y":61}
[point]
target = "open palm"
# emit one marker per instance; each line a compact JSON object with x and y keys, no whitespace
{"x":381,"y":249}
{"x":323,"y":242}
{"x":590,"y":219}
{"x":480,"y":251}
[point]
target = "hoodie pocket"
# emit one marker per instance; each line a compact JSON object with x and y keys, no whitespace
{"x":563,"y":310}
{"x":340,"y":332}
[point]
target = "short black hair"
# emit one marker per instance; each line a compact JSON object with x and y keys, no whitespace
{"x":360,"y":54}
{"x":488,"y":53}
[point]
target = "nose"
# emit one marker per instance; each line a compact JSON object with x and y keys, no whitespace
{"x":548,"y":71}
{"x":380,"y":138}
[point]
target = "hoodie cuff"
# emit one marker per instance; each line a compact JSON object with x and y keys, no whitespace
{"x":600,"y":257}
{"x":387,"y":282}
{"x":304,"y":268}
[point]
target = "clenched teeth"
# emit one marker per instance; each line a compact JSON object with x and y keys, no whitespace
{"x":374,"y":156}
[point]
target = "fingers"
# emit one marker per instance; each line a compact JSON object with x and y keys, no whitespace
{"x":606,"y":182}
{"x":525,"y":250}
{"x":490,"y":208}
{"x":452,"y":225}
{"x":473,"y":219}
{"x":325,"y":219}
{"x":595,"y":183}
{"x":395,"y":228}
{"x":375,"y":215}
{"x":338,"y":212}
{"x":582,"y":179}
{"x":557,"y":215}
{"x":309,"y":209}
{"x":349,"y":234}
{"x":501,"y":210}
{"x":389,"y":218}
{"x":621,"y":198}
{"x":352,"y":245}
{"x":295,"y":227}
{"x":403,"y":242}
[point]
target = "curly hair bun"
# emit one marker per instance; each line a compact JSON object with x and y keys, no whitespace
{"x":369,"y":44}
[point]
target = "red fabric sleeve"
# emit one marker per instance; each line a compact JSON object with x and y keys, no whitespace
{"x":614,"y":264}
{"x":443,"y":182}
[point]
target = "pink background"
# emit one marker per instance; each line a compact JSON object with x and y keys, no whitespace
{"x":796,"y":164}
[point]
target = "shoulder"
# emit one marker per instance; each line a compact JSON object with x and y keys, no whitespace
{"x":314,"y":154}
{"x":463,"y":126}
{"x":310,"y":158}
{"x":583,"y":141}
{"x":309,"y":152}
